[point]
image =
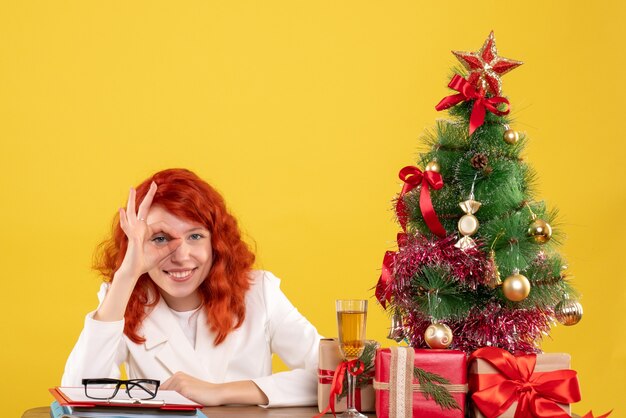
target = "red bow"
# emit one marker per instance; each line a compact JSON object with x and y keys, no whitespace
{"x":383,"y":287}
{"x":413,"y":177}
{"x":536,"y":393}
{"x":481,"y":103}
{"x":354,"y":367}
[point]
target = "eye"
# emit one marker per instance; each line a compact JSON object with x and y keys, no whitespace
{"x":196,"y":237}
{"x":159,"y":239}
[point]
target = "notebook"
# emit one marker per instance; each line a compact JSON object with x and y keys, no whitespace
{"x":59,"y":411}
{"x":166,"y":403}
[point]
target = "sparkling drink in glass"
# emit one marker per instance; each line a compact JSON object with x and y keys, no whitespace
{"x":351,"y":319}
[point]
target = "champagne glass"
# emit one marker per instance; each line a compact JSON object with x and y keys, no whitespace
{"x":351,"y":316}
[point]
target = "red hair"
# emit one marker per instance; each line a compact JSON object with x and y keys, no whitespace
{"x":184,"y":194}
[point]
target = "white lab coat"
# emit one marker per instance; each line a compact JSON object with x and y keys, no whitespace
{"x":272,"y":325}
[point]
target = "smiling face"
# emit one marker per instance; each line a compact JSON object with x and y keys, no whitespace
{"x":179,"y":275}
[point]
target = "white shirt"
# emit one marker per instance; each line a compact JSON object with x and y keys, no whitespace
{"x":188,"y":322}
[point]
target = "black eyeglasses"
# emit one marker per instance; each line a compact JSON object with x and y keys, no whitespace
{"x":105,"y":389}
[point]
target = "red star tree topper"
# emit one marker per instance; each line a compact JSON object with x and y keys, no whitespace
{"x":486,"y":67}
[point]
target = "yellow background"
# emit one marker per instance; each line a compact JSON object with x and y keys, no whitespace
{"x":301,"y":113}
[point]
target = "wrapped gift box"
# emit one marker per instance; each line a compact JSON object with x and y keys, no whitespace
{"x":498,"y":378}
{"x":330,"y":358}
{"x":398,"y":392}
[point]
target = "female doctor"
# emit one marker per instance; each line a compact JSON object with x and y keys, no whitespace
{"x":180,"y":303}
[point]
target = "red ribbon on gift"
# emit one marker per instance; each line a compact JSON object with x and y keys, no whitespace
{"x":325,"y":377}
{"x":481,"y":102}
{"x":536,"y":393}
{"x":354,"y":367}
{"x":413,"y":177}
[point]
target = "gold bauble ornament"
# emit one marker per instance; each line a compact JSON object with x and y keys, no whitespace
{"x":516,"y":287}
{"x":433,"y":166}
{"x":511,"y":136}
{"x":568,"y":312}
{"x":438,"y":336}
{"x":540,"y":231}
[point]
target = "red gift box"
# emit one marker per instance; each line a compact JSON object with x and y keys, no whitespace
{"x":398,"y":392}
{"x":507,"y":386}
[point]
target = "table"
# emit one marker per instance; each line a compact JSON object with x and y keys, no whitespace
{"x":230,"y":411}
{"x":224,"y":412}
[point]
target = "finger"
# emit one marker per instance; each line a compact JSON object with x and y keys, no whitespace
{"x":167,"y":385}
{"x":130,"y":206}
{"x":163,"y":227}
{"x":163,"y":249}
{"x":144,"y":207}
{"x":169,"y":249}
{"x":172,"y":382}
{"x":123,"y":221}
{"x":163,"y":252}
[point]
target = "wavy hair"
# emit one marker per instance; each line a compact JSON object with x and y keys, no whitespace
{"x":184,"y":194}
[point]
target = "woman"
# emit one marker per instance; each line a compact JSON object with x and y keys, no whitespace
{"x":181,"y":304}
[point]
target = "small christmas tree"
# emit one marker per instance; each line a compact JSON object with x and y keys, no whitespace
{"x":476,"y":263}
